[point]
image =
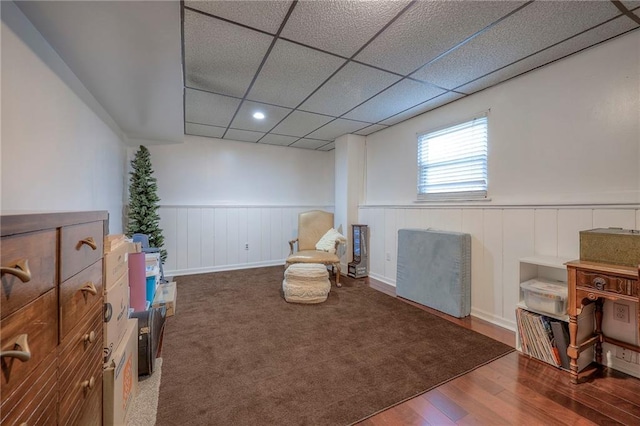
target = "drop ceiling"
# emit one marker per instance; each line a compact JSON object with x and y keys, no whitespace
{"x":315,"y":69}
{"x":321,"y":69}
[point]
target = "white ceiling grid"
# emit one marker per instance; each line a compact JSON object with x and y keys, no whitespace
{"x":321,"y":69}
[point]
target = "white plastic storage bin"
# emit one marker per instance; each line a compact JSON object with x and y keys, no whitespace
{"x":545,"y":296}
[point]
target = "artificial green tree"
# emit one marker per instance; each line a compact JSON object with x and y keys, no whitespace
{"x":143,"y":201}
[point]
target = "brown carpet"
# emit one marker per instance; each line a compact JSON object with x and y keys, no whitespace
{"x":236,"y":353}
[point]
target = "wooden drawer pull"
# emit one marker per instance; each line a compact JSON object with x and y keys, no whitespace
{"x":89,"y":384}
{"x":88,"y":241}
{"x":25,"y":354}
{"x":20,"y":270}
{"x":89,"y":337}
{"x":90,"y":288}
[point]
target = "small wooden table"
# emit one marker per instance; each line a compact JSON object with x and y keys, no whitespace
{"x":591,"y":282}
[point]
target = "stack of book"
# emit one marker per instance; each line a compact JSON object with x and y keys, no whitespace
{"x":543,"y":338}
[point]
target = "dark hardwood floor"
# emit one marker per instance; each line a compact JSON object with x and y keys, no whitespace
{"x":515,"y":390}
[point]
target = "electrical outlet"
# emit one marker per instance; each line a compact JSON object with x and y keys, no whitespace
{"x":619,"y":352}
{"x":621,"y":312}
{"x":388,"y":256}
{"x":627,"y":355}
{"x":246,"y":246}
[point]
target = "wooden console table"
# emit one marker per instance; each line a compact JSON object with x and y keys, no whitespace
{"x":591,"y":282}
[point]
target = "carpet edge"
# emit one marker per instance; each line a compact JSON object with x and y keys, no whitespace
{"x":433,"y":387}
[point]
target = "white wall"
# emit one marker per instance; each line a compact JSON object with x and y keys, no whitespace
{"x":205,"y":171}
{"x":568,"y":132}
{"x":229,"y":205}
{"x":564,"y":143}
{"x":57,"y":153}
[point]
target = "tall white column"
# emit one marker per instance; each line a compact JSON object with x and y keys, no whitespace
{"x":349,"y":187}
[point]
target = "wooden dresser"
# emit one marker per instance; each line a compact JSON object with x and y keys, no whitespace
{"x":51,"y":318}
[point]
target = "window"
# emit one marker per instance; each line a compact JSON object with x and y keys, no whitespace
{"x":452,"y":162}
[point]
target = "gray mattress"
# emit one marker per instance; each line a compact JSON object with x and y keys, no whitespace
{"x":434,"y":269}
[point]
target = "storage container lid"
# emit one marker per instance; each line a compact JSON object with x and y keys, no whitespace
{"x":545,"y":288}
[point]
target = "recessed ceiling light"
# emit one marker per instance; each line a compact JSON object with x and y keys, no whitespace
{"x":258,"y":116}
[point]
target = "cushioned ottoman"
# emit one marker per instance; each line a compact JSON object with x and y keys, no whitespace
{"x":306,"y":283}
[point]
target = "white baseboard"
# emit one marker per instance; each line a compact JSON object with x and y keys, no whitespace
{"x":382,"y":279}
{"x":194,"y":271}
{"x":493,"y":319}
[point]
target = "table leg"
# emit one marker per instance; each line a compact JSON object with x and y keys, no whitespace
{"x":599,"y":305}
{"x":572,"y":350}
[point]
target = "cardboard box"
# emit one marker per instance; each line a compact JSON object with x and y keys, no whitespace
{"x":120,"y":378}
{"x":166,"y":296}
{"x":113,"y":240}
{"x":135,"y":247}
{"x":615,"y":246}
{"x":116,"y":313}
{"x":116,"y":264}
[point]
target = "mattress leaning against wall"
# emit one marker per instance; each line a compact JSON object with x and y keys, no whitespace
{"x":434,"y":269}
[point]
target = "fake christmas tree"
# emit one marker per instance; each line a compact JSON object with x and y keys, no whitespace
{"x":143,"y":201}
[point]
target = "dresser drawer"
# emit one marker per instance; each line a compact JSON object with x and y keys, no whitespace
{"x":34,"y":401}
{"x":78,"y":295}
{"x":38,"y":321}
{"x":29,"y":268}
{"x":80,"y":341}
{"x":608,"y":283}
{"x":80,"y":246}
{"x":79,"y":383}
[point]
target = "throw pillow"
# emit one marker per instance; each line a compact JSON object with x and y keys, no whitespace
{"x":328,"y":241}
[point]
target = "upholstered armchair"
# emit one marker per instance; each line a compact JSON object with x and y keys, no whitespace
{"x":312,"y":227}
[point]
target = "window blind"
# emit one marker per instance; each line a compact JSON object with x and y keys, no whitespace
{"x":452,"y":162}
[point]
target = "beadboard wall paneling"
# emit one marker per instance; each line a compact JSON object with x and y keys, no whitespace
{"x":201,"y":239}
{"x":500,"y":236}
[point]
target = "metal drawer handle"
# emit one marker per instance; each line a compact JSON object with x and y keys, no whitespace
{"x":25,"y":354}
{"x":20,"y":270}
{"x":599,"y":283}
{"x":89,"y":384}
{"x":89,"y":337}
{"x":88,"y":241}
{"x":89,"y":288}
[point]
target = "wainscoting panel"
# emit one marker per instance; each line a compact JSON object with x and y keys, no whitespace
{"x":545,"y":230}
{"x":570,"y":223}
{"x":517,"y":242}
{"x":622,"y":218}
{"x":500,"y":236}
{"x":202,"y":239}
{"x":490,"y":305}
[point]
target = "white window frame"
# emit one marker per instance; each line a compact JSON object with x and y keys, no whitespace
{"x":457,"y":189}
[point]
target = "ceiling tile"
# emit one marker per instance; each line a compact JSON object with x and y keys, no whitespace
{"x":207,"y":108}
{"x":371,"y":129}
{"x":432,"y":21}
{"x":339,"y":26}
{"x":589,"y":38}
{"x":336,"y":128}
{"x":244,"y":119}
{"x":243,"y":135}
{"x":395,"y":99}
{"x":272,"y":139}
{"x":351,"y":86}
{"x":219,"y":56}
{"x":301,"y":123}
{"x":328,"y":147}
{"x":202,"y":130}
{"x":531,"y":29}
{"x":298,"y":69}
{"x":263,"y":15}
{"x":629,"y":4}
{"x":310,"y":143}
{"x":422,"y":108}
